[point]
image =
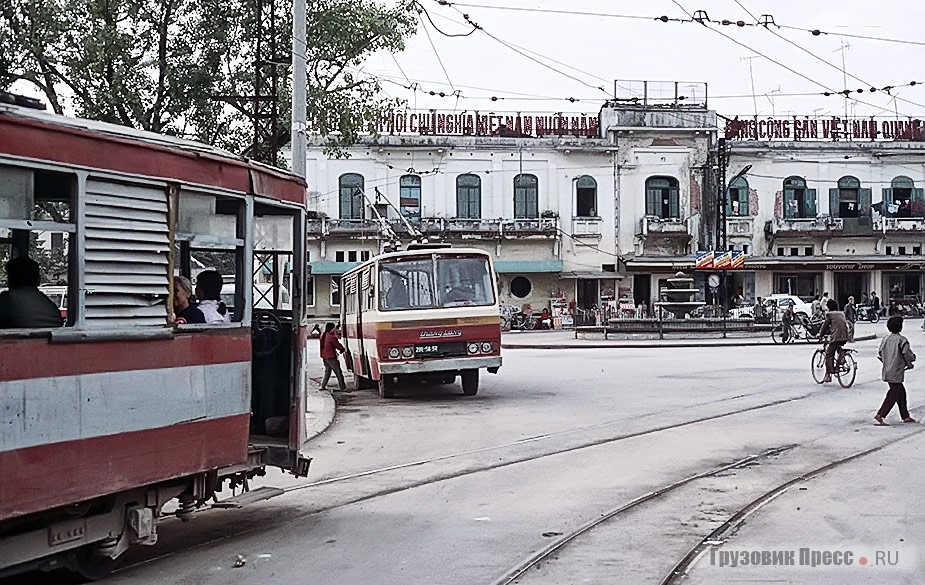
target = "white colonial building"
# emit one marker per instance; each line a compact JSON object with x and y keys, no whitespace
{"x":583,"y":210}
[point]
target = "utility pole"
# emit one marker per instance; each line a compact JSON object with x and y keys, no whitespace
{"x":299,"y":88}
{"x":721,"y":160}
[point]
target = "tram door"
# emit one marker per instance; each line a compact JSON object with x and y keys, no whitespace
{"x":278,"y":336}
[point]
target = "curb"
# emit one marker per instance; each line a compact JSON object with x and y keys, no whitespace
{"x":320,"y":409}
{"x":643,"y":344}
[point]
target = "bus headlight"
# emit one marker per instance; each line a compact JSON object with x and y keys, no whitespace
{"x":472,"y":347}
{"x":394,"y":352}
{"x":486,"y":347}
{"x":407,"y":352}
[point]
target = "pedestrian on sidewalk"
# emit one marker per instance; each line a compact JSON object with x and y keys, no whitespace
{"x":897,"y":357}
{"x":330,"y":346}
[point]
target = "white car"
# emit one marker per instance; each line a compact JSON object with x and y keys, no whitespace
{"x":784,"y":300}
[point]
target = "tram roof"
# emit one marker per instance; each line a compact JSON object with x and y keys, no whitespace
{"x":47,"y":136}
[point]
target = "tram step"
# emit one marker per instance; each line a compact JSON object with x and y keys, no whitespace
{"x":249,"y":497}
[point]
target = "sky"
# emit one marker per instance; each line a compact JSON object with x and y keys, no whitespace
{"x":585,"y":54}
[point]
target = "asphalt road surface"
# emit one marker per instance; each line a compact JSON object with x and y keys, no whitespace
{"x":569,"y":466}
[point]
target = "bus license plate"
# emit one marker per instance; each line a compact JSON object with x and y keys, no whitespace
{"x":425,"y":350}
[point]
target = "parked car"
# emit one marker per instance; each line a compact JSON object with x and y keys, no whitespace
{"x":784,"y":300}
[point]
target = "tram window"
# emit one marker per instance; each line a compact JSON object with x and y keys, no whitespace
{"x":464,"y":281}
{"x":35,"y":221}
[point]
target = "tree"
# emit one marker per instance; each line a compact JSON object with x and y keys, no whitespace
{"x":157,"y":64}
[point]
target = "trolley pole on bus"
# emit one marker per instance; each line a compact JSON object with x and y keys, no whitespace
{"x":299,"y":88}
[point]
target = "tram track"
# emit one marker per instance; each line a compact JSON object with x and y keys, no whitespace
{"x":440,"y":477}
{"x":682,"y":568}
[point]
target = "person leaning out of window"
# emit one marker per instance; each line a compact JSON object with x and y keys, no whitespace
{"x":24,"y":306}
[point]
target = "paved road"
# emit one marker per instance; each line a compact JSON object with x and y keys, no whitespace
{"x":434,"y":487}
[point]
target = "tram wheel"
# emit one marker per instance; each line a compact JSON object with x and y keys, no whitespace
{"x":386,"y":387}
{"x":89,"y":564}
{"x":470,"y":382}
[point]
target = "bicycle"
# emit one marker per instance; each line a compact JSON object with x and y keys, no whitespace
{"x":846,"y":367}
{"x":522,"y":321}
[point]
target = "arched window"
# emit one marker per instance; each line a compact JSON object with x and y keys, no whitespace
{"x":351,"y":196}
{"x":586,"y":197}
{"x":526,"y":197}
{"x":409,"y":197}
{"x":662,"y":198}
{"x":737,"y":197}
{"x":849,"y":199}
{"x":902,"y":199}
{"x":799,"y":202}
{"x":469,"y":196}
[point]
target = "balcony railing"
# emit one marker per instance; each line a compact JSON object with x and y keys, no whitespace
{"x":809,"y":224}
{"x":900,"y":224}
{"x":586,"y":226}
{"x":739,"y":226}
{"x":650,"y":225}
{"x":494,"y":228}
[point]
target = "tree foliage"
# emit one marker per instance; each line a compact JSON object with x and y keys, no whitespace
{"x":158,"y":64}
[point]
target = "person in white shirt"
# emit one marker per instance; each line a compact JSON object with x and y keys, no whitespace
{"x":209,"y":293}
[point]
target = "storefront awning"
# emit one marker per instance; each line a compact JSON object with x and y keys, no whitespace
{"x":590,"y":275}
{"x":527,"y":266}
{"x":331,"y":268}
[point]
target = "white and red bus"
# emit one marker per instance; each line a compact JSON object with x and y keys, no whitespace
{"x":118,"y":411}
{"x":429,"y":313}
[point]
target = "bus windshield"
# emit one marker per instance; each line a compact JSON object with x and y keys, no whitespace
{"x":444,"y":280}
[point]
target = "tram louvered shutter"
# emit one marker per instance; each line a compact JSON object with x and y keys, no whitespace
{"x":125,"y":262}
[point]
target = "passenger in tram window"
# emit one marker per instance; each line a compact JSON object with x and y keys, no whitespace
{"x":24,"y":306}
{"x":184,"y":309}
{"x":209,"y":293}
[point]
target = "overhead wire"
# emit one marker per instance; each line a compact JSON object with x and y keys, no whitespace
{"x":704,"y":22}
{"x":766,"y":25}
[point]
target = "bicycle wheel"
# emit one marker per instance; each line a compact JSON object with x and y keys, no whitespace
{"x":818,"y":366}
{"x":847,"y":370}
{"x":776,"y":334}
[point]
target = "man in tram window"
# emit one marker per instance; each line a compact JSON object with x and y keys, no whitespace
{"x":24,"y":306}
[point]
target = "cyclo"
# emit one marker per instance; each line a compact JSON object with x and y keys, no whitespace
{"x":802,"y":327}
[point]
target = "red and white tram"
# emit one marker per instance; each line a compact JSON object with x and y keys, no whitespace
{"x":115,"y":413}
{"x":427,"y":313}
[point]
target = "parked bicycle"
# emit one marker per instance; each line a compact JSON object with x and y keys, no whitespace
{"x":802,"y":328}
{"x":846,"y":368}
{"x":522,"y":321}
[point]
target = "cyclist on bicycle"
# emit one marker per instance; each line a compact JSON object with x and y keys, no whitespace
{"x":787,"y":319}
{"x":836,"y":327}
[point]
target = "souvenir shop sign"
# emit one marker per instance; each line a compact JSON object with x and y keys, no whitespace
{"x":834,"y":129}
{"x":719,"y":260}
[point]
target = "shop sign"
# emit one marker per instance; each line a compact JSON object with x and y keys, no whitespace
{"x":719,"y":260}
{"x":434,"y":123}
{"x":850,"y":266}
{"x":834,"y":129}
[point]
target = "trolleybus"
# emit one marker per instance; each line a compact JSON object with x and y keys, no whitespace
{"x":429,"y":313}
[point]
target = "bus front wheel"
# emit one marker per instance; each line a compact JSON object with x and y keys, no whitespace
{"x":470,"y":382}
{"x":386,"y":387}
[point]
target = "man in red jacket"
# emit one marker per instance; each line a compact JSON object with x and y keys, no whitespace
{"x":330,"y":345}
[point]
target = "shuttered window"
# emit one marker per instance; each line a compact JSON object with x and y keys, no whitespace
{"x":663,"y":198}
{"x":126,"y":252}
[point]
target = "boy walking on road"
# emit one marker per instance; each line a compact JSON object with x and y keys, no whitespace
{"x":897,"y":357}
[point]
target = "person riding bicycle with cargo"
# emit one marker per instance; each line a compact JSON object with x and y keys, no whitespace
{"x":836,"y":327}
